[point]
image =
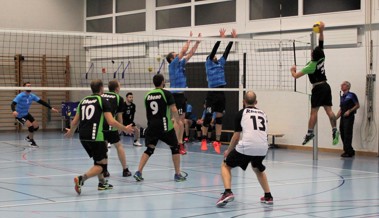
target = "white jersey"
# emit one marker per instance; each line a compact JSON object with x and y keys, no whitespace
{"x":252,"y":123}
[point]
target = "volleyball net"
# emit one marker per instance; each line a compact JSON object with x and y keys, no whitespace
{"x":70,"y":61}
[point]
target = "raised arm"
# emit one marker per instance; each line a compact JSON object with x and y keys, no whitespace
{"x":193,"y":49}
{"x":184,"y":48}
{"x":230,"y":44}
{"x":321,"y":36}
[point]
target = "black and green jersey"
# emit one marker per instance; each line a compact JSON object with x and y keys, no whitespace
{"x":116,"y":102}
{"x":158,"y":112}
{"x":315,"y":71}
{"x":90,"y":110}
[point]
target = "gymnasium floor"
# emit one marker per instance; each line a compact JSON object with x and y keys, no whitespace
{"x":39,"y":183}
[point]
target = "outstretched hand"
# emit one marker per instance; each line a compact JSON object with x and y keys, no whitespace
{"x":55,"y":110}
{"x":222,"y":32}
{"x":234,"y":33}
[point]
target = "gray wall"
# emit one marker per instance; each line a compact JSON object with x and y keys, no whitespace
{"x":67,"y":15}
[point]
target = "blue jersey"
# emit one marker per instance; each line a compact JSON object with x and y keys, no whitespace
{"x":177,"y":74}
{"x":215,"y":72}
{"x":189,"y":114}
{"x":24,"y":101}
{"x":348,"y":101}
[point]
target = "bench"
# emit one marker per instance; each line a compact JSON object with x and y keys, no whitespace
{"x":274,"y":135}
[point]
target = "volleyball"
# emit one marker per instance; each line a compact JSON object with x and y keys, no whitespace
{"x":316,"y":27}
{"x":150,"y":69}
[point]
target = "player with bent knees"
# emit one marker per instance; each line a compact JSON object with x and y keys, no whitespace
{"x":91,"y":112}
{"x":128,"y":117}
{"x":160,"y":105}
{"x":20,"y":110}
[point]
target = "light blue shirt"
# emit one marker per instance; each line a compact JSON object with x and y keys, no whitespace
{"x":24,"y":101}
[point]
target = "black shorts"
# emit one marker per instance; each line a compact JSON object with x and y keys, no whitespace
{"x":321,"y":95}
{"x":96,"y":150}
{"x":23,"y":120}
{"x":180,"y":102}
{"x":152,"y":137}
{"x":236,"y":159}
{"x":111,"y":136}
{"x":215,"y":101}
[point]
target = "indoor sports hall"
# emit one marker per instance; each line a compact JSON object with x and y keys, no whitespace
{"x":51,"y":51}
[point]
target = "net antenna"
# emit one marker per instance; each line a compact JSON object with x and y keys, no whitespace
{"x":160,"y":67}
{"x":118,"y":68}
{"x":124,"y":70}
{"x":90,"y":69}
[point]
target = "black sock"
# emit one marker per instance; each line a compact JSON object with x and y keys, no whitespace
{"x":228,"y":190}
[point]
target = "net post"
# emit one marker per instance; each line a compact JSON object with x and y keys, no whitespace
{"x":294,"y":60}
{"x":244,"y":73}
{"x":315,"y":129}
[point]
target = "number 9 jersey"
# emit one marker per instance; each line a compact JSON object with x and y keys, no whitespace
{"x":91,"y":112}
{"x":158,"y":112}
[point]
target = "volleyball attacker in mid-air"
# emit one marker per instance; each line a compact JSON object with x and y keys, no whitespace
{"x":321,"y":91}
{"x":215,"y":100}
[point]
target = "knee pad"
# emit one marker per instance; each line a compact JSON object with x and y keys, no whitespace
{"x":103,"y":166}
{"x":218,"y":120}
{"x":207,"y":119}
{"x":35,"y":129}
{"x":149,"y":151}
{"x":31,"y":129}
{"x":174,"y":149}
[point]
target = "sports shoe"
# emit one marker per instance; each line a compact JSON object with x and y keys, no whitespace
{"x":308,"y":137}
{"x":265,"y":200}
{"x":182,"y":149}
{"x":27,"y":139}
{"x":217,"y":146}
{"x":204,"y":146}
{"x":106,"y":174}
{"x":336,"y":136}
{"x":225,"y":198}
{"x":78,"y":184}
{"x":186,"y":139}
{"x":104,"y":186}
{"x":126,"y":173}
{"x":138,"y":176}
{"x":137,"y":143}
{"x":33,"y":144}
{"x":109,"y":145}
{"x":179,"y":178}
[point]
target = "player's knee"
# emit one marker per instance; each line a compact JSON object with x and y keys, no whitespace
{"x":149,"y":151}
{"x":174,"y":149}
{"x":31,"y":129}
{"x":103,"y":166}
{"x":207,"y":119}
{"x":259,"y":169}
{"x":36,"y":129}
{"x":218,"y":120}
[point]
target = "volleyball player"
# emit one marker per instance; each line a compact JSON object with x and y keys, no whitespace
{"x":178,"y":79}
{"x":20,"y":110}
{"x":160,"y":107}
{"x":248,"y":145}
{"x":110,"y":133}
{"x":321,"y":92}
{"x":90,"y":114}
{"x":128,"y":117}
{"x":215,"y":100}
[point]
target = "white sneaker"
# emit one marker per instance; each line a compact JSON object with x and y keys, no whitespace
{"x":137,"y":143}
{"x":109,"y":145}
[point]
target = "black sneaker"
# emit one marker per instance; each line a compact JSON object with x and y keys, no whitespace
{"x":308,"y":137}
{"x":347,"y":154}
{"x":105,"y":186}
{"x":27,"y":139}
{"x":78,"y":184}
{"x":33,"y":144}
{"x":106,"y":174}
{"x":126,"y":173}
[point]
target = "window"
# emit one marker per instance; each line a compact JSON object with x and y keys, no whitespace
{"x":172,"y":18}
{"x":130,"y":5}
{"x":100,"y":25}
{"x":99,"y":7}
{"x":131,"y":23}
{"x":160,"y":3}
{"x":325,"y":6}
{"x":215,"y":13}
{"x":263,"y":9}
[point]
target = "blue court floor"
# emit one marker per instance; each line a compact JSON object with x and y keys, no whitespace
{"x":39,"y":183}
